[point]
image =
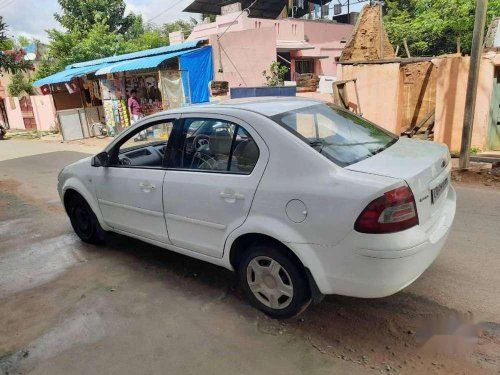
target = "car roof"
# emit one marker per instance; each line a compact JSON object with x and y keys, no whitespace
{"x":267,"y":106}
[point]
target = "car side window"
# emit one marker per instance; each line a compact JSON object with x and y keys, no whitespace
{"x":216,"y":146}
{"x":245,"y":153}
{"x":144,"y":147}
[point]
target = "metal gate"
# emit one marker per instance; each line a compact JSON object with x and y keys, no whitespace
{"x":27,"y":113}
{"x":494,"y":128}
{"x":4,"y":120}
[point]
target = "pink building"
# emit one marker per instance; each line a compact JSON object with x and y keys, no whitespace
{"x":244,"y":47}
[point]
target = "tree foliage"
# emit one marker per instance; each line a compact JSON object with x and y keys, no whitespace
{"x":19,"y":85}
{"x":81,"y":15}
{"x":434,"y":27}
{"x":13,"y":61}
{"x":100,"y":28}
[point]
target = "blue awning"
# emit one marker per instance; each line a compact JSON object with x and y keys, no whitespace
{"x":68,"y":74}
{"x":140,"y":54}
{"x":140,"y":64}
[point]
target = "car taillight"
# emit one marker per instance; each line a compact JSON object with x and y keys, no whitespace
{"x":393,"y":212}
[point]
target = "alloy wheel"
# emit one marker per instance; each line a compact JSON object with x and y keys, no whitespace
{"x":270,"y":282}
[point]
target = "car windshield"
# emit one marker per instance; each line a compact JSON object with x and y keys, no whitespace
{"x":341,"y":136}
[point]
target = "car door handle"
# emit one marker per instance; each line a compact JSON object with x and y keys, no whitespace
{"x":231,"y":196}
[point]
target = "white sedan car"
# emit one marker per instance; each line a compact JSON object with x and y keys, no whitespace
{"x":300,"y":198}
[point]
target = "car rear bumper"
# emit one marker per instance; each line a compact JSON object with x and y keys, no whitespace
{"x":371,"y":266}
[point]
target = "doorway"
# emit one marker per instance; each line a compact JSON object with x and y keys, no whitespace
{"x":27,"y":113}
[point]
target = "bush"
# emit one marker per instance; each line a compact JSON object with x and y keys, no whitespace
{"x":276,"y":76}
{"x":20,"y":85}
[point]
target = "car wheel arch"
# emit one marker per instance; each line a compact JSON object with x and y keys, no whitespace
{"x":244,"y":242}
{"x":73,"y":186}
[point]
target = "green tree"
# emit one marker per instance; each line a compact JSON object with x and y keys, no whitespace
{"x":434,"y":27}
{"x":81,"y":15}
{"x":99,"y":28}
{"x":179,"y":25}
{"x":13,"y":62}
{"x":19,"y":85}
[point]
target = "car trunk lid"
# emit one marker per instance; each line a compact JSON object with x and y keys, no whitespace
{"x":425,"y":166}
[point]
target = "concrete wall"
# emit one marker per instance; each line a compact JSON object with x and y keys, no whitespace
{"x":14,"y":115}
{"x":451,"y":87}
{"x":245,"y":55}
{"x":43,"y":109}
{"x":45,"y":112}
{"x":325,"y":37}
{"x":328,"y":40}
{"x":378,"y":88}
{"x":285,"y":29}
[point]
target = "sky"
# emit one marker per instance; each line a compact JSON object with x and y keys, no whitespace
{"x":32,"y":17}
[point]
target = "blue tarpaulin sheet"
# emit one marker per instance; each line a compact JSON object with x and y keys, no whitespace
{"x":200,"y":67}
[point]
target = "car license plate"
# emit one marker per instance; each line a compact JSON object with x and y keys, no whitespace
{"x":438,"y":190}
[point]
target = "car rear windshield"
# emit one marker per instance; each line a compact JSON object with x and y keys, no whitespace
{"x":341,"y":136}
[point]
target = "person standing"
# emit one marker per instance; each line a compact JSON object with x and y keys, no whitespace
{"x":134,"y":107}
{"x":135,"y":111}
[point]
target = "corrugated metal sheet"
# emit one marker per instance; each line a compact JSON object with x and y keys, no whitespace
{"x":130,"y":61}
{"x":139,"y":54}
{"x":68,"y":74}
{"x":139,"y":64}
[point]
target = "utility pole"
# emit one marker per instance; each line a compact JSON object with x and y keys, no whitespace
{"x":348,"y":13}
{"x":470,"y":98}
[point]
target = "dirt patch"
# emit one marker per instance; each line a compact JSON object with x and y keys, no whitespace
{"x":10,"y":188}
{"x":399,"y":334}
{"x":477,"y":177}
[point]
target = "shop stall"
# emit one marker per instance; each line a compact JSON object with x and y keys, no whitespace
{"x":97,"y":91}
{"x":78,"y":105}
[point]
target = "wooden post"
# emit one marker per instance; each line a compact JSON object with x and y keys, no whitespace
{"x":472,"y":81}
{"x":406,"y":48}
{"x":381,"y":32}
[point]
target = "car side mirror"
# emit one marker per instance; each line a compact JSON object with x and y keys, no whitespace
{"x":101,"y":159}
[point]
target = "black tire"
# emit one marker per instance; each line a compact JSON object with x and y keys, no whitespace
{"x":301,"y":293}
{"x":84,"y":221}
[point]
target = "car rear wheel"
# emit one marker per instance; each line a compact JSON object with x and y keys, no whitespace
{"x":273,"y":282}
{"x":84,"y":221}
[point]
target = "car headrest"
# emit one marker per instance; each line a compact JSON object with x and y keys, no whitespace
{"x":247,"y":152}
{"x":220,"y":142}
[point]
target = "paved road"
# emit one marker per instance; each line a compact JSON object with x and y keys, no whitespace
{"x":128,"y":307}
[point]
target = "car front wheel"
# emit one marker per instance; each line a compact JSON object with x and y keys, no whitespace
{"x":84,"y":221}
{"x":273,"y":282}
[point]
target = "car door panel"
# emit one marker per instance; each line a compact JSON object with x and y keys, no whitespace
{"x":203,"y":208}
{"x":131,"y":200}
{"x":130,"y":195}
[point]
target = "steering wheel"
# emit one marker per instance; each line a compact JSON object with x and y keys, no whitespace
{"x":200,"y":140}
{"x":204,"y":161}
